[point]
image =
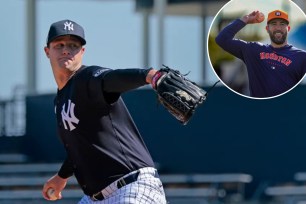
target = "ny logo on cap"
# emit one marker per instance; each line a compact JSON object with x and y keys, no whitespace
{"x":277,"y":13}
{"x":68,"y":25}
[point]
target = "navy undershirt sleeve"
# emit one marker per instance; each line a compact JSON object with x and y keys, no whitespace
{"x":108,"y":84}
{"x":122,"y":80}
{"x":118,"y":81}
{"x":66,"y":169}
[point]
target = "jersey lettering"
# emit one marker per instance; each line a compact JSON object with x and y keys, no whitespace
{"x":69,"y":117}
{"x":273,"y":56}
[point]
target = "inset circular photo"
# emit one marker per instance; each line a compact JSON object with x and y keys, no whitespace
{"x":256,"y":49}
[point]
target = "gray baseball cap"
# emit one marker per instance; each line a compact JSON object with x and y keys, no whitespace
{"x":66,"y":27}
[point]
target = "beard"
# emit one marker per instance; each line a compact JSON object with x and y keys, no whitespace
{"x":278,"y":40}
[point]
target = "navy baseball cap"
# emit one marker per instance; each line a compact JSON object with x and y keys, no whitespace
{"x":66,"y":27}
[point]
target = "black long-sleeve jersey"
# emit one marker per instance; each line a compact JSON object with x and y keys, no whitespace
{"x":101,"y":140}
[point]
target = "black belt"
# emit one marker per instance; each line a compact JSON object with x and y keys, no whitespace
{"x":122,"y":182}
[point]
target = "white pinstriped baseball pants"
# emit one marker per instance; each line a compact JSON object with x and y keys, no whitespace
{"x":146,"y":190}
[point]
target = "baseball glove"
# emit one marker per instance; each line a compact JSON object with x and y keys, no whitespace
{"x":179,"y":95}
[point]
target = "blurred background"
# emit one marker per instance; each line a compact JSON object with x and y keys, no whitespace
{"x":234,"y":149}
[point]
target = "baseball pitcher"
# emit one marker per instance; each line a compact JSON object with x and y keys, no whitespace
{"x":105,"y":151}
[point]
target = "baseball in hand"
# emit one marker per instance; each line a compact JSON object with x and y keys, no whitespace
{"x":51,"y":194}
{"x":260,"y":17}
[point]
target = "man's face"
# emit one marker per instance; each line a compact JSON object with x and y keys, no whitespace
{"x":65,"y":52}
{"x":278,"y":30}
